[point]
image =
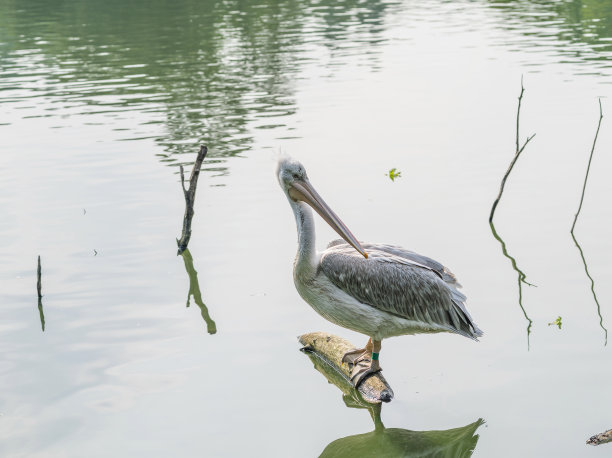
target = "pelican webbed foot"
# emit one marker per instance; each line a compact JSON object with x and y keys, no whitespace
{"x":359,"y":354}
{"x":354,"y":356}
{"x":363,"y":369}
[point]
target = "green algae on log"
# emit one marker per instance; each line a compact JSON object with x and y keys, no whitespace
{"x":331,"y":348}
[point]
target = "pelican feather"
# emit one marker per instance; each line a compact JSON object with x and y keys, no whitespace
{"x":400,"y":282}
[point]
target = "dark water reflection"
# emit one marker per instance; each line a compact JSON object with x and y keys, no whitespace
{"x":211,"y":72}
{"x":580,"y":31}
{"x":208,"y":71}
{"x":392,"y":442}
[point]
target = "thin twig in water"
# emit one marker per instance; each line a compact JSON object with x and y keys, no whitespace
{"x":520,"y":274}
{"x":39,"y":290}
{"x":517,"y":153}
{"x":38,"y":279}
{"x":190,"y":198}
{"x":586,"y":177}
{"x":586,"y":270}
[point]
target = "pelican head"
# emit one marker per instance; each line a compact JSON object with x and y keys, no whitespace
{"x":294,"y":181}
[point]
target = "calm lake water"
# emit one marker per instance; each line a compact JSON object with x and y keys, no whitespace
{"x":100,"y":102}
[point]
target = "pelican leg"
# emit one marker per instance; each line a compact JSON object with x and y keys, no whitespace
{"x":365,"y":367}
{"x":359,"y":354}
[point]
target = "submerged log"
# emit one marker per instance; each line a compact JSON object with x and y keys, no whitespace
{"x":600,"y":438}
{"x":331,"y":348}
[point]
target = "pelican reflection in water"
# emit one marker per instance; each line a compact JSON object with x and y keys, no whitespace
{"x":398,"y":442}
{"x":375,"y":289}
{"x":392,"y":442}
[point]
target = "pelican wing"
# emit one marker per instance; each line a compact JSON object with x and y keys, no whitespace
{"x":432,"y":264}
{"x":400,"y":282}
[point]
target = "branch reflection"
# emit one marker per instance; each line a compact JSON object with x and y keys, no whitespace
{"x":392,"y":442}
{"x":586,"y":270}
{"x":42,"y":314}
{"x":521,"y":279}
{"x":194,"y":290}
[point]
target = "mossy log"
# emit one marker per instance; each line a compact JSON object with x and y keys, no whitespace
{"x":331,"y":348}
{"x":600,"y":438}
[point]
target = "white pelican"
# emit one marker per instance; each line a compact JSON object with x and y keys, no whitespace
{"x":378,"y":290}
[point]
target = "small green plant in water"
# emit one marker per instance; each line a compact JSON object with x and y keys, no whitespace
{"x":394,"y":173}
{"x":557,"y":322}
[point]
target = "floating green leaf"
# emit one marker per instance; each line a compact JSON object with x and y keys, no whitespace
{"x":557,"y":322}
{"x":394,"y":173}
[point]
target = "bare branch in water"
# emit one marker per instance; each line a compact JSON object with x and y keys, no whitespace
{"x":517,"y":153}
{"x":586,"y":177}
{"x":586,"y":270}
{"x":190,"y":199}
{"x":38,"y":278}
{"x":522,"y":278}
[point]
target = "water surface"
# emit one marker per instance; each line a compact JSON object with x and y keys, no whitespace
{"x":148,"y":354}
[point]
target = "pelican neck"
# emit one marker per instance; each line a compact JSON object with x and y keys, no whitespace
{"x":306,"y":258}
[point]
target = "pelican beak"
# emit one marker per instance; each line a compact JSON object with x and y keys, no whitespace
{"x":303,"y":190}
